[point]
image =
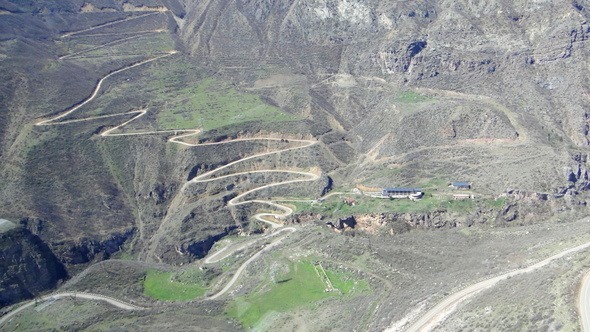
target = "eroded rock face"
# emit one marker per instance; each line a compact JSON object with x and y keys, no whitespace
{"x":83,"y":249}
{"x":520,"y":207}
{"x":87,"y":250}
{"x":200,"y":249}
{"x":27,"y":266}
{"x":392,"y":223}
{"x":577,"y":174}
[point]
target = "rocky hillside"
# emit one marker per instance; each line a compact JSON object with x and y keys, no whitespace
{"x":504,"y":73}
{"x":395,"y":93}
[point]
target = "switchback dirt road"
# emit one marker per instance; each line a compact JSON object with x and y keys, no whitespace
{"x":178,"y":137}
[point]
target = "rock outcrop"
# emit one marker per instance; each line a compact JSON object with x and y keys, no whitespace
{"x":83,"y":249}
{"x":27,"y":266}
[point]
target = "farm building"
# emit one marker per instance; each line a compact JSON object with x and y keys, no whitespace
{"x":402,"y":192}
{"x":461,"y":185}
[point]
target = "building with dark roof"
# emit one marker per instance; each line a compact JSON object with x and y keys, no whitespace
{"x":461,"y":185}
{"x":402,"y":192}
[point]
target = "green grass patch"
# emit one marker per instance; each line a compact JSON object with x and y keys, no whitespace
{"x":346,"y":282}
{"x":411,"y":97}
{"x":168,"y":286}
{"x":180,"y":95}
{"x":51,"y":66}
{"x":212,"y":104}
{"x":114,"y":153}
{"x":465,"y":205}
{"x":433,"y":183}
{"x":337,"y":208}
{"x":301,"y":286}
{"x":496,"y":203}
{"x":126,"y":256}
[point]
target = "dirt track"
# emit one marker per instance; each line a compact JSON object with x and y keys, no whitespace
{"x":441,"y":311}
{"x":244,"y":265}
{"x":178,"y":136}
{"x":74,"y":33}
{"x":584,"y":303}
{"x":87,"y":296}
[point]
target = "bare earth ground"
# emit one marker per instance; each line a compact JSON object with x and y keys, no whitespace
{"x":539,"y":301}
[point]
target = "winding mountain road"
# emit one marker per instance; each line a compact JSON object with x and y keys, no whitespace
{"x":205,"y":177}
{"x":111,"y":43}
{"x":209,"y":176}
{"x":130,"y":18}
{"x":177,"y":137}
{"x":441,"y":311}
{"x":87,"y":296}
{"x":244,"y":265}
{"x":427,"y":322}
{"x":53,"y":120}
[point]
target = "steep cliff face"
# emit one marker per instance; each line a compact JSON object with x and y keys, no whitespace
{"x":521,"y":208}
{"x":27,"y":266}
